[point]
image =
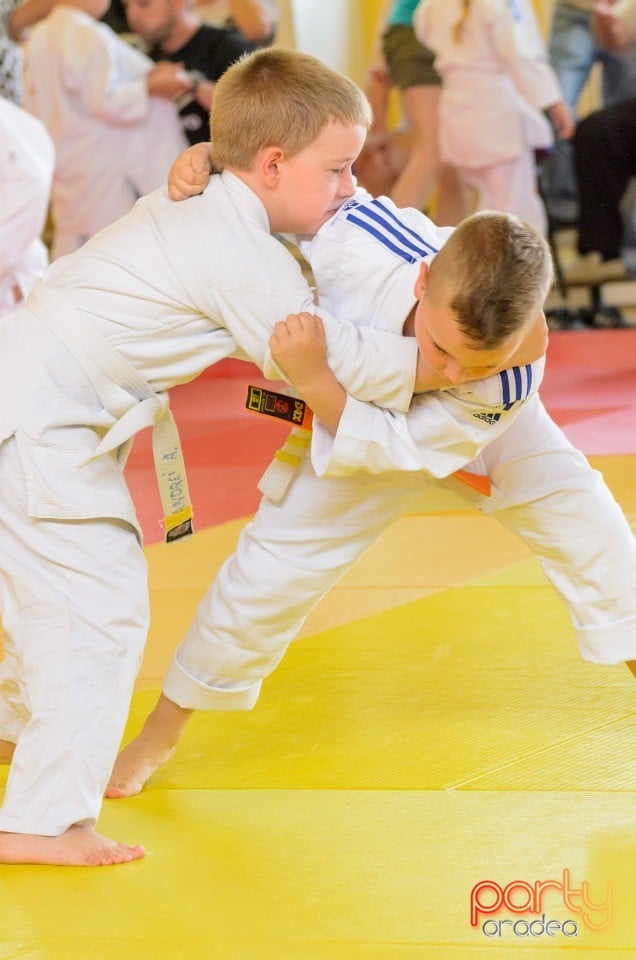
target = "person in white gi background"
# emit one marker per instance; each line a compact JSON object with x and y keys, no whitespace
{"x":496,"y":80}
{"x":27,"y":159}
{"x":110,"y":114}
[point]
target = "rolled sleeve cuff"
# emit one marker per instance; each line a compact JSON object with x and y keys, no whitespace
{"x":348,"y":450}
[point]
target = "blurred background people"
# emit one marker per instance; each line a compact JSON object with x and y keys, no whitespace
{"x":496,"y":83}
{"x":27,"y":159}
{"x":15,"y":19}
{"x":172,"y":31}
{"x":574,"y":48}
{"x":604,"y":151}
{"x":256,"y":20}
{"x":109,"y":112}
{"x":405,"y":164}
{"x":604,"y":161}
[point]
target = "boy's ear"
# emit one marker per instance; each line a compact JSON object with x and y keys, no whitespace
{"x":422,"y":278}
{"x":269,"y":161}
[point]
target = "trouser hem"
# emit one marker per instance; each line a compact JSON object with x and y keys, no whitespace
{"x":608,"y":647}
{"x":188,"y":692}
{"x":41,"y":828}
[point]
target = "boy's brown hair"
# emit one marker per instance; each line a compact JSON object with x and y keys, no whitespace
{"x":278,"y":97}
{"x":494,"y":272}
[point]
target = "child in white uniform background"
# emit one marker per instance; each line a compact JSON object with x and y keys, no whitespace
{"x":148,"y":303}
{"x":114,"y":140}
{"x":367,"y":260}
{"x":496,"y":80}
{"x":27,"y":159}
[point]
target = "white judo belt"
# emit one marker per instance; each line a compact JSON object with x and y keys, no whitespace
{"x":139,"y":406}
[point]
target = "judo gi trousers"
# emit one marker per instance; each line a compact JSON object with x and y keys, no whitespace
{"x":544,"y":490}
{"x":74,"y":603}
{"x":510,"y":185}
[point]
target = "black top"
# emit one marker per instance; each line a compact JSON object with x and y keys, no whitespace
{"x":210,"y":52}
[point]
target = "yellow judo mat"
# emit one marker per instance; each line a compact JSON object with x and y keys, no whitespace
{"x":432,"y":772}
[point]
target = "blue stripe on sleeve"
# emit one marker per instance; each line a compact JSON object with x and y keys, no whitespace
{"x":505,"y":389}
{"x":520,"y":393}
{"x":418,"y":247}
{"x":384,"y":240}
{"x":403,"y":226}
{"x":381,"y":223}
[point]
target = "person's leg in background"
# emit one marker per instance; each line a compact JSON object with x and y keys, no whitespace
{"x":423,"y":176}
{"x":510,"y":186}
{"x":618,"y":85}
{"x":571,"y":53}
{"x":605,"y":160}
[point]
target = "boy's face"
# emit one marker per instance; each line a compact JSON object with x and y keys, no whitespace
{"x":313,"y":184}
{"x":443,"y":345}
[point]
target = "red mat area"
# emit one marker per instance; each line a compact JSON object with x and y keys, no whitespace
{"x":589,"y":389}
{"x":226,"y":449}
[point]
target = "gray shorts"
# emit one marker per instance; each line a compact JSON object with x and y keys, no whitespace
{"x":409,"y":63}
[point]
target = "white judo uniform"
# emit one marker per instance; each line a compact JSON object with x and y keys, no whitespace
{"x":27,"y":158}
{"x":365,"y":262}
{"x":148,"y":303}
{"x":114,"y":142}
{"x":496,"y":80}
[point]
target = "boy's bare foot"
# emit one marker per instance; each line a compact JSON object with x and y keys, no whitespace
{"x":77,"y":847}
{"x":148,"y":751}
{"x":134,"y":766}
{"x":6,"y":751}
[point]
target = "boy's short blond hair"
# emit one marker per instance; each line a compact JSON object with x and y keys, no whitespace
{"x":494,"y":272}
{"x":279,"y":97}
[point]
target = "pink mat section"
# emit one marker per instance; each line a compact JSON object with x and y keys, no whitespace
{"x":589,"y":389}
